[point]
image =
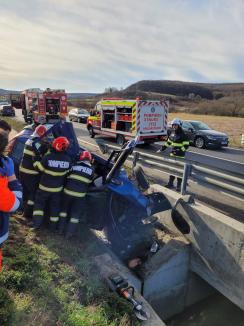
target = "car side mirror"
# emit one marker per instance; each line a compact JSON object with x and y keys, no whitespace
{"x":191,"y":129}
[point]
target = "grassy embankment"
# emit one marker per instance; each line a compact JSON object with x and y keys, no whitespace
{"x":15,"y":124}
{"x":47,"y":280}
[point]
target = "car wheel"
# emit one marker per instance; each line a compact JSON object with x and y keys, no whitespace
{"x":91,"y":131}
{"x":199,"y":142}
{"x":120,"y":140}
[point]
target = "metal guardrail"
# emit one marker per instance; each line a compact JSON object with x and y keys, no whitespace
{"x":216,"y":173}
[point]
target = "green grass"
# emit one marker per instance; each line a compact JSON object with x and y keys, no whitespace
{"x":47,"y":280}
{"x":14,"y":123}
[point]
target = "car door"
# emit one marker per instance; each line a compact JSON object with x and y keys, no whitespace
{"x":188,"y":130}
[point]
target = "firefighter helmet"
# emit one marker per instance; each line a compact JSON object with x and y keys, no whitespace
{"x":85,"y":155}
{"x":177,"y":122}
{"x":40,"y":131}
{"x":60,"y":144}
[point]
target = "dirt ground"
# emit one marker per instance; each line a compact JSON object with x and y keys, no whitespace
{"x":234,"y":127}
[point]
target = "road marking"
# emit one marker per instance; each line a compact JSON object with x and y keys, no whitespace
{"x":236,"y":198}
{"x":220,"y":158}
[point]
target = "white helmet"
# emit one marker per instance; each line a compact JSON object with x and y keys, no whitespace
{"x":176,"y":121}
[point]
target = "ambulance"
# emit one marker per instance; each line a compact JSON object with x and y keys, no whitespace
{"x":125,"y":119}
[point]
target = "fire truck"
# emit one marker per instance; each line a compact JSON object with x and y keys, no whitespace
{"x":41,"y":106}
{"x":124,"y":119}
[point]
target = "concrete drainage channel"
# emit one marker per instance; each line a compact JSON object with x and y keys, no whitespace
{"x":189,"y":268}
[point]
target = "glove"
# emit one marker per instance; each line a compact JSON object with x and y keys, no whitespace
{"x":161,"y":149}
{"x":7,"y":166}
{"x":7,"y":196}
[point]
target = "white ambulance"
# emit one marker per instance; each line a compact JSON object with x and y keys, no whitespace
{"x":125,"y":119}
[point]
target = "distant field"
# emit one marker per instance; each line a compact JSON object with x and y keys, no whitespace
{"x":234,"y":127}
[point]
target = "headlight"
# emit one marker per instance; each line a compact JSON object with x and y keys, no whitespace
{"x":211,"y":137}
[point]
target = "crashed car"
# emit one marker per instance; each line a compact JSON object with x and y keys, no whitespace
{"x":122,"y":205}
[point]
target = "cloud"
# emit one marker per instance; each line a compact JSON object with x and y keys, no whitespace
{"x":89,"y":45}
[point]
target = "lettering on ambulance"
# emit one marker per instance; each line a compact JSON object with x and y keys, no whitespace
{"x":152,"y":118}
{"x":58,"y":164}
{"x":83,"y":169}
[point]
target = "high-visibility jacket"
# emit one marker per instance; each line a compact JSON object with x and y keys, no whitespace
{"x":179,"y":143}
{"x":34,"y":149}
{"x":78,"y":180}
{"x":10,"y":200}
{"x":54,"y":167}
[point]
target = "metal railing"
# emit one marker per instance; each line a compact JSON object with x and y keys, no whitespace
{"x":215,"y":173}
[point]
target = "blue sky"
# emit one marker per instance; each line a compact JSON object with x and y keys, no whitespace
{"x":86,"y":46}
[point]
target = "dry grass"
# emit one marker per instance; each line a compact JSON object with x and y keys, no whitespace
{"x":234,"y":127}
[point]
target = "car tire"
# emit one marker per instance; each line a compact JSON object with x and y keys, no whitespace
{"x":120,"y":140}
{"x":199,"y":142}
{"x":91,"y":131}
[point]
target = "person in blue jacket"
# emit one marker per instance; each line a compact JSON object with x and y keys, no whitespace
{"x":10,"y":190}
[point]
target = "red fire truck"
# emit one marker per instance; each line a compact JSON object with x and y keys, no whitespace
{"x":41,"y":106}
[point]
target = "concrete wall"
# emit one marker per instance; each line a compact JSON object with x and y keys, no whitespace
{"x":217,"y":246}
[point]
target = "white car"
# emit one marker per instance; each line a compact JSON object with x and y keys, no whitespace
{"x":79,"y":115}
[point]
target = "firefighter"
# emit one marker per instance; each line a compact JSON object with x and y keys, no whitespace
{"x":34,"y":149}
{"x":74,"y":193}
{"x":11,"y":193}
{"x":54,"y":167}
{"x":179,"y":143}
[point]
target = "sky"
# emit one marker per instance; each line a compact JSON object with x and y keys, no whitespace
{"x":87,"y":46}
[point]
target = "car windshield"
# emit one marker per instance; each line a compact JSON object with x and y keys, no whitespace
{"x":82,"y":111}
{"x":197,"y":125}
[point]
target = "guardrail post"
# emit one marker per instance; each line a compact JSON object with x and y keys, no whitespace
{"x":242,"y":139}
{"x":186,"y":174}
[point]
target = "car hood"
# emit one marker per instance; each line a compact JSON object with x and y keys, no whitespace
{"x":212,"y":133}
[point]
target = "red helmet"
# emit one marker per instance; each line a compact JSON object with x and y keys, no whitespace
{"x":40,"y":130}
{"x":85,"y":155}
{"x":60,"y":144}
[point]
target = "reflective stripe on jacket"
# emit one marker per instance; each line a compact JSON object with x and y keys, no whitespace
{"x":13,"y":204}
{"x":179,"y":143}
{"x":54,"y":167}
{"x":32,"y":151}
{"x":78,"y":180}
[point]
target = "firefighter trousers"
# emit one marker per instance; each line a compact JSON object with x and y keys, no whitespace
{"x":72,"y":209}
{"x":30,"y":184}
{"x":46,"y":203}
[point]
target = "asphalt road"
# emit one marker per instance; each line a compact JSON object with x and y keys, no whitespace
{"x":231,"y":154}
{"x":217,"y":199}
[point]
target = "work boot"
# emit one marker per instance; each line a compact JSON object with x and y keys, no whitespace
{"x":28,"y":211}
{"x":170,"y":184}
{"x":70,"y":230}
{"x":61,"y":225}
{"x":53,"y":226}
{"x":178,"y":187}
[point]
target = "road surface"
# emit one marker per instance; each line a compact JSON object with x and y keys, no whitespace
{"x":217,"y":199}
